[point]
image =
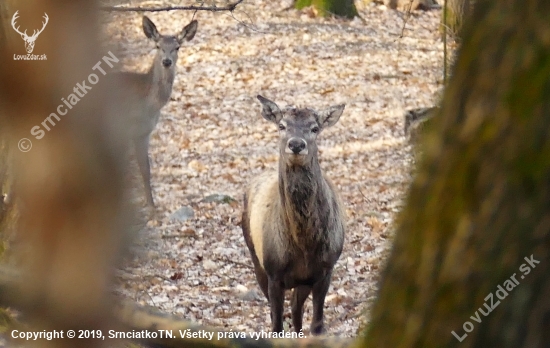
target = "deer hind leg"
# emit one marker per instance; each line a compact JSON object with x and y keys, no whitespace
{"x":142,"y":155}
{"x":261,"y":275}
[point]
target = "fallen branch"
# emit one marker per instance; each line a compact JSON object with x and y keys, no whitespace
{"x":230,"y":8}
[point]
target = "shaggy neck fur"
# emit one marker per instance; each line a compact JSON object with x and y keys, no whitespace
{"x":162,"y":80}
{"x":304,"y":201}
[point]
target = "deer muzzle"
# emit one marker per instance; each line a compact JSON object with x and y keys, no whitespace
{"x":296,"y":146}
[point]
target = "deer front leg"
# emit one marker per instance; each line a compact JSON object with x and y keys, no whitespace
{"x":320,"y":290}
{"x":299,"y":296}
{"x":142,"y":156}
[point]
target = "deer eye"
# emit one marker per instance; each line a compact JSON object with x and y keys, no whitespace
{"x":282,"y":127}
{"x":315,"y":130}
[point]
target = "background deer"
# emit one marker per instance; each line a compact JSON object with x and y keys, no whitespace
{"x":293,"y":220}
{"x":151,"y":91}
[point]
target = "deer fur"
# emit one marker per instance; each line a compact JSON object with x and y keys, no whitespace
{"x":151,"y":91}
{"x":293,"y":220}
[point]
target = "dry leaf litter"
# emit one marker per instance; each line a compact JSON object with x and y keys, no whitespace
{"x":211,"y":140}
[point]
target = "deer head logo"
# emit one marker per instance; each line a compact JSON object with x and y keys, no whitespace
{"x":29,"y":40}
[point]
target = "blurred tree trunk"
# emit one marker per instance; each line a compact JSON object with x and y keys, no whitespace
{"x":342,"y":8}
{"x":66,"y":188}
{"x":470,"y":265}
{"x":8,"y":215}
{"x":4,"y":20}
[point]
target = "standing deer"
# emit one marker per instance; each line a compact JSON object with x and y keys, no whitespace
{"x":293,"y":220}
{"x":151,"y":91}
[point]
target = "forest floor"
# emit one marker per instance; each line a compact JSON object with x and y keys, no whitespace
{"x":212,"y":140}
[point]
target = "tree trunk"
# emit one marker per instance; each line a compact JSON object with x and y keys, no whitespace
{"x":464,"y":270}
{"x":67,"y":186}
{"x":342,"y":8}
{"x":8,"y":212}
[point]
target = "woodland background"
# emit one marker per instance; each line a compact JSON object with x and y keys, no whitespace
{"x":434,"y":250}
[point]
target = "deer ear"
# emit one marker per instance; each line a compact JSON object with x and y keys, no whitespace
{"x":329,"y":117}
{"x":270,"y":110}
{"x":188,"y":33}
{"x":150,"y":29}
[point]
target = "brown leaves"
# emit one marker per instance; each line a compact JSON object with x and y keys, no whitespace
{"x":177,"y":276}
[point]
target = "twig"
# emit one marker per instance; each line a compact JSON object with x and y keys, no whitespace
{"x":407,"y":16}
{"x":230,"y":8}
{"x":140,"y":278}
{"x":362,"y":194}
{"x":233,"y":261}
{"x":255,"y":28}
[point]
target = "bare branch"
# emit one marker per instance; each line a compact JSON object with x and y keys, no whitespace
{"x":231,"y":7}
{"x":407,"y":16}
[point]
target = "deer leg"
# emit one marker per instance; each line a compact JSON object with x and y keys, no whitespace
{"x":142,"y":156}
{"x":276,"y":300}
{"x":299,"y":296}
{"x":261,"y":276}
{"x":320,"y":290}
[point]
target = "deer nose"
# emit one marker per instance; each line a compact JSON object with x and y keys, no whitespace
{"x":166,"y":62}
{"x":296,"y":146}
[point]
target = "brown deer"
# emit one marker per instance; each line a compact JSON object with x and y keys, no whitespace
{"x":293,"y":220}
{"x":151,"y":91}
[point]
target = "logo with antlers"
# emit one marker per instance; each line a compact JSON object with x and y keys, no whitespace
{"x":29,"y":40}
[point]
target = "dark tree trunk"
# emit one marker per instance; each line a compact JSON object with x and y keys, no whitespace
{"x":478,"y":211}
{"x":342,"y":8}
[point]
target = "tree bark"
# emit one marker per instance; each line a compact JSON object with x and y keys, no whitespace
{"x":342,"y":8}
{"x":477,"y":215}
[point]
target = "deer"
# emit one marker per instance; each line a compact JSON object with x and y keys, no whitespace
{"x":29,"y":40}
{"x":151,"y":92}
{"x":293,"y":220}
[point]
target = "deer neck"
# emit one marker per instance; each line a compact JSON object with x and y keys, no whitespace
{"x":161,"y":80}
{"x":301,"y":193}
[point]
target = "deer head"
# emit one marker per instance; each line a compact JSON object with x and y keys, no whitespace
{"x":29,"y":40}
